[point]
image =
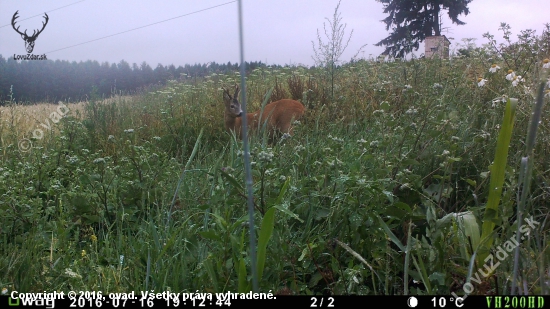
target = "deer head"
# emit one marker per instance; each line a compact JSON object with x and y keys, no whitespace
{"x":29,"y":40}
{"x":277,"y":116}
{"x":232,"y":105}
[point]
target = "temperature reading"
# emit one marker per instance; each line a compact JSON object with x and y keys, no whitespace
{"x":440,"y":302}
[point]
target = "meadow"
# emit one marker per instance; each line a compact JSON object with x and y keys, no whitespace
{"x":385,"y":188}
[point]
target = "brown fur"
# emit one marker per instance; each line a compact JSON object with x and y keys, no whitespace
{"x":279,"y":115}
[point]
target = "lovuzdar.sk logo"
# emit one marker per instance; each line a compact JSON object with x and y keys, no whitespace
{"x":29,"y":39}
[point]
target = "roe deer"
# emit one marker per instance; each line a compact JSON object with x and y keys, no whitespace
{"x":279,"y":115}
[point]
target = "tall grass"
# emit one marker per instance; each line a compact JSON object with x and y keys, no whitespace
{"x":381,"y":191}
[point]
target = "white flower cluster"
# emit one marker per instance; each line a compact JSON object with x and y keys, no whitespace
{"x":266,"y":156}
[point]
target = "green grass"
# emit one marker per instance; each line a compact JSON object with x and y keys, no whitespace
{"x":381,"y":191}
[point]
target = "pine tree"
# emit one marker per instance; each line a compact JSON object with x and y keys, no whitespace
{"x":413,"y":20}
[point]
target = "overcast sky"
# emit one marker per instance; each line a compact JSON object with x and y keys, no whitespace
{"x":275,"y":31}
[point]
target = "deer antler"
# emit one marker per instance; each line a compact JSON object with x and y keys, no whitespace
{"x":29,"y":40}
{"x":226,"y":91}
{"x":43,"y":25}
{"x":13,"y":24}
{"x":34,"y":33}
{"x":236,"y":91}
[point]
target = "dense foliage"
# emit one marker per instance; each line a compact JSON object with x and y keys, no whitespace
{"x":382,"y":190}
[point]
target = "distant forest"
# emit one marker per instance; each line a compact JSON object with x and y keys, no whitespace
{"x":50,"y":81}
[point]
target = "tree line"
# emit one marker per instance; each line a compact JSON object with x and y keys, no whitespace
{"x":51,"y":81}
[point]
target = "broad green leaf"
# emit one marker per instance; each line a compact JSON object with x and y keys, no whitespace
{"x":243,"y":282}
{"x":288,"y":212}
{"x":391,"y":235}
{"x":210,"y":235}
{"x":232,"y":180}
{"x":497,"y":180}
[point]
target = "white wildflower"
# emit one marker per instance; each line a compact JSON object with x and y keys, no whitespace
{"x":266,"y":156}
{"x":494,"y":68}
{"x":71,"y":273}
{"x":517,"y":80}
{"x":405,"y":186}
{"x":99,"y":160}
{"x":481,"y":82}
{"x":299,"y":148}
{"x":72,"y":160}
{"x":411,"y":111}
{"x":498,"y":100}
{"x":511,"y":75}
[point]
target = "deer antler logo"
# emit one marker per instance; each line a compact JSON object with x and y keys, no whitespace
{"x":29,"y":40}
